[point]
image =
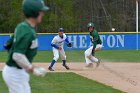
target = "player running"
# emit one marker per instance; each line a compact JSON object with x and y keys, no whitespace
{"x":57,"y":44}
{"x":22,"y":49}
{"x":97,"y":45}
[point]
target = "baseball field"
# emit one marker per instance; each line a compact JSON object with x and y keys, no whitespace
{"x":84,"y":46}
{"x":78,"y":56}
{"x":118,"y":73}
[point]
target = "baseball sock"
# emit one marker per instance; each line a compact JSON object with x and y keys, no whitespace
{"x":52,"y":63}
{"x":64,"y":62}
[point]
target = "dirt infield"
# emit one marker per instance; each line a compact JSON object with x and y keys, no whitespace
{"x":122,"y":76}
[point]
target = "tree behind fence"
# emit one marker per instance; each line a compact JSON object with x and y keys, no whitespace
{"x":73,"y":15}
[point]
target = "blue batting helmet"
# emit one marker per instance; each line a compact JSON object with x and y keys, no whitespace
{"x":60,"y":29}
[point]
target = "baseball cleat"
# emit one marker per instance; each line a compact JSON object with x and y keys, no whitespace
{"x":50,"y":69}
{"x":66,"y":67}
{"x":98,"y":63}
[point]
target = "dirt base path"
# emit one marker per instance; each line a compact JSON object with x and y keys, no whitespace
{"x":122,"y":76}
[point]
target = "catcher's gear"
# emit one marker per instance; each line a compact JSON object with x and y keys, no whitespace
{"x":31,"y":8}
{"x":90,"y":25}
{"x":69,"y":45}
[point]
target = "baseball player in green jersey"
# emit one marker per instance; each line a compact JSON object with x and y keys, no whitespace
{"x":97,"y":45}
{"x":23,"y":48}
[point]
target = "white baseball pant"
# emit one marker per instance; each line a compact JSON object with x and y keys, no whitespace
{"x":88,"y":54}
{"x":17,"y":80}
{"x":56,"y":53}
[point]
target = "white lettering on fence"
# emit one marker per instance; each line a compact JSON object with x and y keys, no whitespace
{"x":120,"y":39}
{"x":111,"y":41}
{"x":83,"y":41}
{"x":73,"y":40}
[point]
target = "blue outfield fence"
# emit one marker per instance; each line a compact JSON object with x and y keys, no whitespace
{"x":82,"y":41}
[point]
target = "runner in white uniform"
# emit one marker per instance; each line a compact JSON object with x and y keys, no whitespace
{"x":57,"y":44}
{"x":97,"y":46}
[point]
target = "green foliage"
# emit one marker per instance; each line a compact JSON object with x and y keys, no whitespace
{"x":11,"y":15}
{"x":73,"y":15}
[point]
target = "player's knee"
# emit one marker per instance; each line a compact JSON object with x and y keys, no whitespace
{"x":87,"y":54}
{"x":63,"y":57}
{"x":56,"y":57}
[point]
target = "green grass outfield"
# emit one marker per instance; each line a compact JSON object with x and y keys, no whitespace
{"x":78,"y":56}
{"x":64,"y":83}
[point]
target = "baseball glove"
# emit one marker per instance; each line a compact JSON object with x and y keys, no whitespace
{"x":7,"y":46}
{"x":69,"y":45}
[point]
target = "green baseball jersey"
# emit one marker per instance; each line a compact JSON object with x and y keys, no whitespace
{"x":95,"y":38}
{"x":24,"y":42}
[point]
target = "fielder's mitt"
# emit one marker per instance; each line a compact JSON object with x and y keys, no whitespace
{"x":69,"y":45}
{"x":7,"y":46}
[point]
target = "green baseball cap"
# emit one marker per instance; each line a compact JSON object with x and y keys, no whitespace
{"x":31,"y":8}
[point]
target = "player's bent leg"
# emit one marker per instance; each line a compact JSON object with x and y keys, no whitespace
{"x":94,"y":59}
{"x":98,"y":48}
{"x":51,"y":65}
{"x":88,"y":61}
{"x":56,"y":54}
{"x":65,"y":65}
{"x":62,"y":54}
{"x":88,"y":54}
{"x":89,"y":58}
{"x":88,"y":51}
{"x":63,"y":57}
{"x":56,"y":57}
